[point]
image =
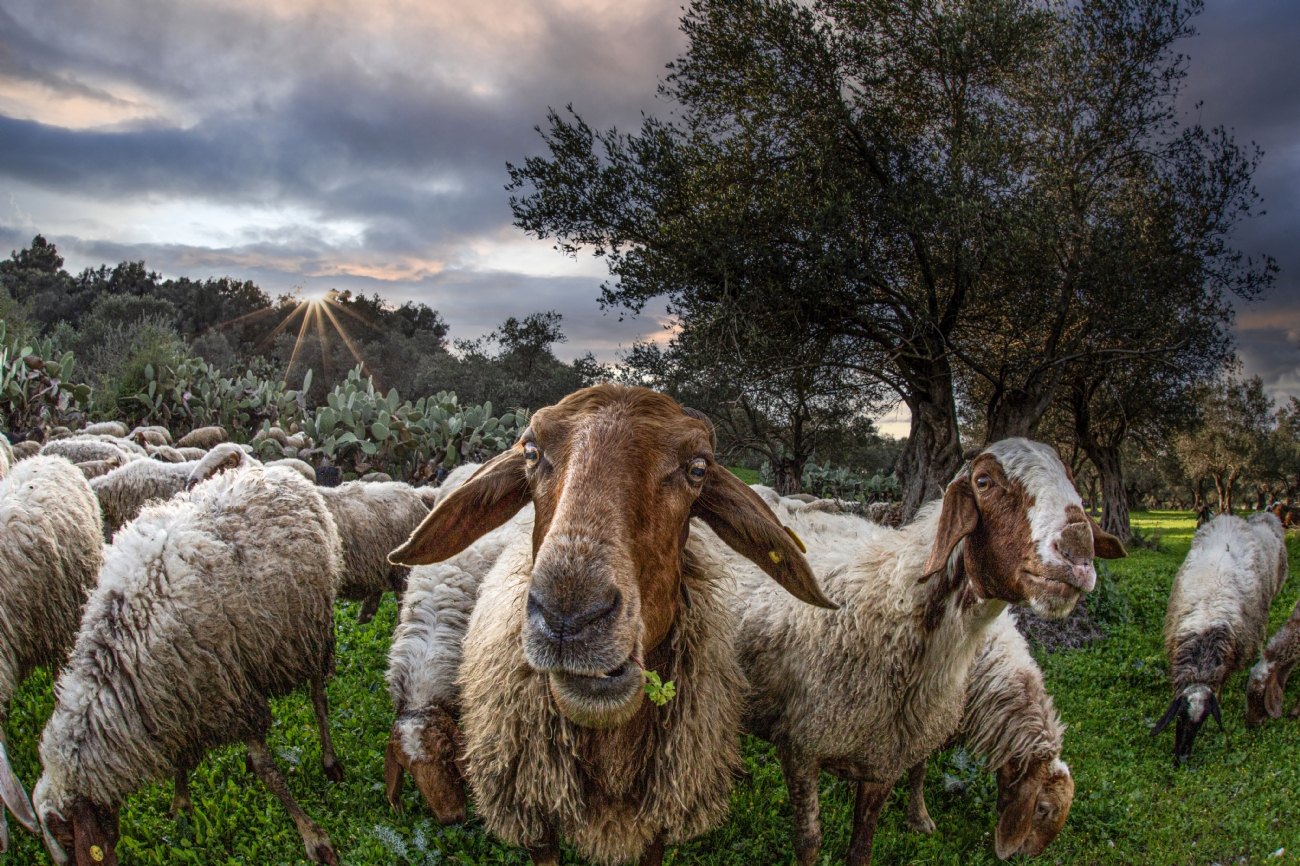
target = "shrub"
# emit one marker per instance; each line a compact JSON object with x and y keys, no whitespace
{"x":33,"y":385}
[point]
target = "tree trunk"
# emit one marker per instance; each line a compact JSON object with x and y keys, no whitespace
{"x":932,"y":454}
{"x":788,"y":472}
{"x":1017,"y":412}
{"x":1219,"y":489}
{"x":1114,"y":500}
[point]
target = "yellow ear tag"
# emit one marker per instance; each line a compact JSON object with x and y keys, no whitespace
{"x":803,"y":548}
{"x":774,"y":555}
{"x":96,"y":853}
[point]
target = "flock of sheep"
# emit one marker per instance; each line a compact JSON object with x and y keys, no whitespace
{"x":588,"y":623}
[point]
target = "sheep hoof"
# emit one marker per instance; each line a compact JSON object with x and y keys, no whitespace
{"x":921,"y":824}
{"x":334,"y":772}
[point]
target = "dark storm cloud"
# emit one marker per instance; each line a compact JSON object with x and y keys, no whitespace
{"x":1244,"y":69}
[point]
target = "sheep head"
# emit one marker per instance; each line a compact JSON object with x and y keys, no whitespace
{"x":1264,"y":691}
{"x":1190,"y":708}
{"x":1033,"y":803}
{"x":427,"y":744}
{"x":615,"y":475}
{"x":1024,"y":535}
{"x":218,"y":460}
{"x":84,"y":833}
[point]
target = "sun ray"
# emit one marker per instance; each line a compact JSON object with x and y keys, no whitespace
{"x":275,"y":332}
{"x":353,"y":313}
{"x":320,"y":333}
{"x":256,"y":314}
{"x":347,"y":340}
{"x":306,"y":320}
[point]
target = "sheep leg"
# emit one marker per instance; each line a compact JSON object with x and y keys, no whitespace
{"x":801,"y":784}
{"x":547,"y":851}
{"x":317,"y":842}
{"x":320,"y":703}
{"x":369,"y":607}
{"x":866,"y":812}
{"x":181,"y":796}
{"x":918,"y":817}
{"x":654,"y":853}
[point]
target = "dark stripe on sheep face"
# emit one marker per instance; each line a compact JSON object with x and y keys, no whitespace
{"x":615,"y":474}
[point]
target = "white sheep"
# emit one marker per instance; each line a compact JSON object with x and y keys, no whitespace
{"x":373,"y":519}
{"x":1217,"y":617}
{"x":865,"y":692}
{"x":79,"y":450}
{"x":106,"y":428}
{"x":1010,"y":721}
{"x":207,"y":606}
{"x":50,"y":555}
{"x":125,"y":490}
{"x":206,"y":438}
{"x":611,"y":581}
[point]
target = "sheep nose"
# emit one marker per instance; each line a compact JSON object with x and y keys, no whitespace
{"x":561,"y":627}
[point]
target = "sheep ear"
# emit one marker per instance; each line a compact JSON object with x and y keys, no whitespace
{"x":394,"y":770}
{"x":1174,"y":706}
{"x":1105,"y":545}
{"x":490,"y":497}
{"x":744,"y":522}
{"x":1017,"y":801}
{"x":1273,"y":696}
{"x":91,"y":843}
{"x":958,"y":519}
{"x":11,"y":791}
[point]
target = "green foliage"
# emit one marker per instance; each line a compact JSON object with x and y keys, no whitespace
{"x":192,"y":393}
{"x":362,"y":429}
{"x":657,"y":690}
{"x":830,"y":482}
{"x":33,"y":385}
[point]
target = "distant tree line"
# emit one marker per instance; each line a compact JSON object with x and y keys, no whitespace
{"x":118,"y":320}
{"x":989,"y":210}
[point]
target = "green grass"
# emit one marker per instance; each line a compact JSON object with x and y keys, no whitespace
{"x":1238,"y":798}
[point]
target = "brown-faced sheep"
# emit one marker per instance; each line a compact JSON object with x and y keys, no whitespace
{"x":207,"y":606}
{"x":1010,"y":721}
{"x":50,"y":555}
{"x":1217,"y":617}
{"x":611,"y":582}
{"x":867,"y":691}
{"x":206,"y":438}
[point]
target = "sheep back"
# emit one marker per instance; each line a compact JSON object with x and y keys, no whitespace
{"x":203,"y":437}
{"x":1217,"y":617}
{"x":50,"y":555}
{"x":608,"y":792}
{"x":206,"y":604}
{"x":373,"y":519}
{"x":125,"y":490}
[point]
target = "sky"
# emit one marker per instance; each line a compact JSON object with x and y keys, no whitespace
{"x":362,"y":145}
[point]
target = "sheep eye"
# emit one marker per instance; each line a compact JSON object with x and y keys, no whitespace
{"x":698,"y":469}
{"x":532,"y":453}
{"x":983,"y":483}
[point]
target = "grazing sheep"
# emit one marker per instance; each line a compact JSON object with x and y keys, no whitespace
{"x":1268,"y":678}
{"x":85,"y":450}
{"x":867,"y":691}
{"x":559,"y":741}
{"x":151,"y":435}
{"x":50,"y":555}
{"x":206,"y":438}
{"x":59,"y":432}
{"x":373,"y":519}
{"x":23,"y":450}
{"x":1009,"y":719}
{"x":207,"y":606}
{"x":124,"y":491}
{"x":302,"y":467}
{"x":106,"y":428}
{"x":190,"y":453}
{"x":329,"y":476}
{"x":372,"y":477}
{"x":1217,"y":617}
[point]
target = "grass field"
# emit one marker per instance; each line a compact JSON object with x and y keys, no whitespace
{"x":1238,"y":801}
